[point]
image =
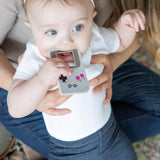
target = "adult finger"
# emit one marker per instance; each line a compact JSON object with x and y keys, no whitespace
{"x":56,"y":112}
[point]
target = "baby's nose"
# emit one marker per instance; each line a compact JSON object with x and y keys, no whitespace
{"x":67,"y":39}
{"x":66,"y":43}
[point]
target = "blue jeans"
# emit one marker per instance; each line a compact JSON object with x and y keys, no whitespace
{"x":135,"y":100}
{"x":30,"y":129}
{"x":108,"y":143}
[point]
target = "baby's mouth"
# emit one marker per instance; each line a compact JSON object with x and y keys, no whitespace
{"x":67,"y":56}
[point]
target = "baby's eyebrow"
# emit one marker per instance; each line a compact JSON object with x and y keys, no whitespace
{"x":82,"y":19}
{"x":46,"y":25}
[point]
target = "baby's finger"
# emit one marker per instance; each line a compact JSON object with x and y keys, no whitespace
{"x":60,"y":62}
{"x":136,"y":25}
{"x":140,"y":19}
{"x":142,"y":16}
{"x":62,"y":66}
{"x":65,"y":71}
{"x":129,"y":18}
{"x":129,"y":21}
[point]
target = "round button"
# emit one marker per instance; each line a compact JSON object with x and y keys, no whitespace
{"x":77,"y":78}
{"x":81,"y":75}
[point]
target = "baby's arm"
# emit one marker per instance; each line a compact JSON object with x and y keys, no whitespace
{"x":128,"y":24}
{"x":25,"y":95}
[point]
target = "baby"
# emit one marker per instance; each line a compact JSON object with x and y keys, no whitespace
{"x":90,"y":130}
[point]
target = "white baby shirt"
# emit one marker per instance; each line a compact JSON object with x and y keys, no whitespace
{"x":87,"y":112}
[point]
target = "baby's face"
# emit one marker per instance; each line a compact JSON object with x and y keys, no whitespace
{"x":61,"y":26}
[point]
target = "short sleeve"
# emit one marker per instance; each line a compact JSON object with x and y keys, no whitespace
{"x":111,"y":39}
{"x":104,"y":40}
{"x":30,"y":63}
{"x":8,"y":13}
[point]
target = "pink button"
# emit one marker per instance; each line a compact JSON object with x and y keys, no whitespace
{"x":78,"y":78}
{"x":81,"y":75}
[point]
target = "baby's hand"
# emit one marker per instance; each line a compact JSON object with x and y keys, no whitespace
{"x":133,"y":20}
{"x":51,"y":70}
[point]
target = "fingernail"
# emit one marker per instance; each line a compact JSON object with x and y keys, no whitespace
{"x":67,"y":112}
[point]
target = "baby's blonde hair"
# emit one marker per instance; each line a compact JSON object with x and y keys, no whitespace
{"x":69,"y":2}
{"x":47,"y":2}
{"x":151,"y":10}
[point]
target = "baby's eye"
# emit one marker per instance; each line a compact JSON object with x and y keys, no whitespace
{"x":77,"y":28}
{"x":51,"y":33}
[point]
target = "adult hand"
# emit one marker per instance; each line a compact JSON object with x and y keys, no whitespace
{"x":103,"y":81}
{"x":111,"y":62}
{"x":51,"y":100}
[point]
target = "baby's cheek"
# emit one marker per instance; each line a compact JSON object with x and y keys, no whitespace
{"x":43,"y":47}
{"x":84,"y":46}
{"x":43,"y":52}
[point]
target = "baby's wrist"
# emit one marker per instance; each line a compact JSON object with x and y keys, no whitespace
{"x":42,"y":82}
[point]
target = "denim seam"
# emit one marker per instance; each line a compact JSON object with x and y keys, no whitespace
{"x":133,"y":118}
{"x":81,"y":145}
{"x":100,"y":146}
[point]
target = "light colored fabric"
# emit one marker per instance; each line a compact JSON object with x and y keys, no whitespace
{"x":88,"y":114}
{"x":14,"y":34}
{"x":104,"y":10}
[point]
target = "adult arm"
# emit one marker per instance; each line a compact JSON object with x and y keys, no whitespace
{"x":111,"y":62}
{"x":8,"y":17}
{"x":8,"y":13}
{"x":6,"y":71}
{"x":117,"y":59}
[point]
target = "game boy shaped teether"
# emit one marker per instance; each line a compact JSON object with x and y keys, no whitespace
{"x":77,"y":82}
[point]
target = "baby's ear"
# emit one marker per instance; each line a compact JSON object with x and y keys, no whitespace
{"x":94,"y":14}
{"x":27,"y":23}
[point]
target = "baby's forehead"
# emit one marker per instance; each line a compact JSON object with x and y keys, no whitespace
{"x":56,"y":7}
{"x":48,"y":2}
